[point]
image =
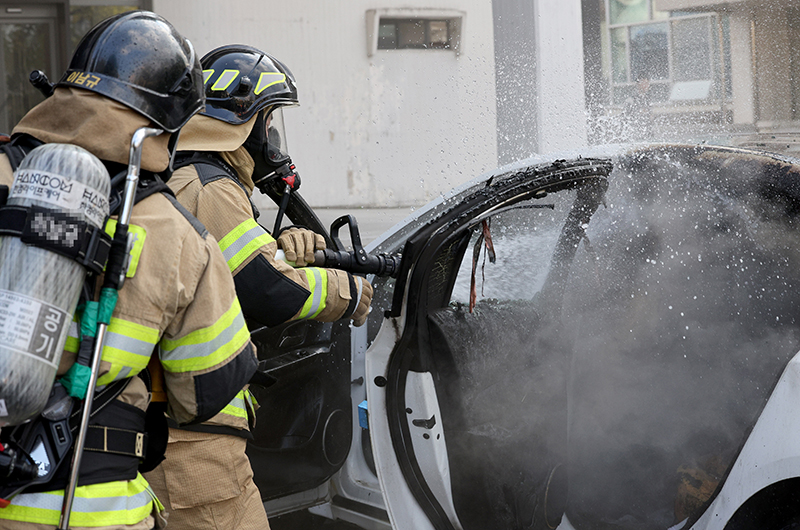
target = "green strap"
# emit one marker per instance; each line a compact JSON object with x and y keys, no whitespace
{"x":89,"y":319}
{"x":77,"y":378}
{"x":108,"y":301}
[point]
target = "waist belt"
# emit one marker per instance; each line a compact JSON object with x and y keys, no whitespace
{"x":118,"y":442}
{"x":102,"y":439}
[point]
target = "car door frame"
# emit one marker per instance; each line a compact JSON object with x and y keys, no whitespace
{"x":411,"y":500}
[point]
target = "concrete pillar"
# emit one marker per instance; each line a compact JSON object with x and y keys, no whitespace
{"x":559,"y":58}
{"x":743,"y":89}
{"x":772,"y":72}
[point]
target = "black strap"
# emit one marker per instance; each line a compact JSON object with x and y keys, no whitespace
{"x":101,"y":400}
{"x":155,"y":425}
{"x":354,"y":298}
{"x":149,"y":184}
{"x":102,"y":439}
{"x":58,"y":232}
{"x":212,"y":429}
{"x":18,"y":148}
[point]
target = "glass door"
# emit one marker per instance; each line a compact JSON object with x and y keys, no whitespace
{"x":28,"y":37}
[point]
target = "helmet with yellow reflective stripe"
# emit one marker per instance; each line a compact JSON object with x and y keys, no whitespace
{"x":241,"y":80}
{"x":140,"y":60}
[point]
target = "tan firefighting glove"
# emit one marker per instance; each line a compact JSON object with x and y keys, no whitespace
{"x":299,"y":244}
{"x":364,"y":300}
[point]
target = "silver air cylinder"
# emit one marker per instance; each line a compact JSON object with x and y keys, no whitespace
{"x":39,"y":289}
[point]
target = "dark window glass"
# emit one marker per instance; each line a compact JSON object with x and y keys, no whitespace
{"x":25,"y":47}
{"x":413,"y":33}
{"x":649,"y":52}
{"x":387,"y":36}
{"x":691,"y":49}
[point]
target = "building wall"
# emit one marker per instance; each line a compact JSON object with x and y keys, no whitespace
{"x":515,"y":76}
{"x":541,"y":103}
{"x":395,"y":128}
{"x":742,"y":86}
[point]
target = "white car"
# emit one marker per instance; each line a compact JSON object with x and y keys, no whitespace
{"x":590,"y":343}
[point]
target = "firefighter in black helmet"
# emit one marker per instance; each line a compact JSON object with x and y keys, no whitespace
{"x":135,"y":70}
{"x":224,"y":152}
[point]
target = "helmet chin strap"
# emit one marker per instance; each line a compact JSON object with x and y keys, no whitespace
{"x":172,"y":147}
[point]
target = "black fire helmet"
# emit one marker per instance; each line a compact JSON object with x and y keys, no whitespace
{"x":140,"y":60}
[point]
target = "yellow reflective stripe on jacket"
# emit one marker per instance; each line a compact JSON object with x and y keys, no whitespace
{"x":207,"y":347}
{"x":123,"y":502}
{"x":73,"y":341}
{"x":318,"y":285}
{"x":136,"y":234}
{"x":128,"y":347}
{"x":242,"y":241}
{"x":237,"y":407}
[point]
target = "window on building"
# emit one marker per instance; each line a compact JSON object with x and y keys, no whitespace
{"x":678,"y":55}
{"x":395,"y":34}
{"x":39,"y":36}
{"x":413,"y":28}
{"x":27,"y":43}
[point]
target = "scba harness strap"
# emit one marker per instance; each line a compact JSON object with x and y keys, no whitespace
{"x":57,"y":232}
{"x":116,"y":436}
{"x":211,"y":167}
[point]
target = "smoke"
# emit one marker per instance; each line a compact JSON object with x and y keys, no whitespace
{"x":681,"y":318}
{"x":678,"y":317}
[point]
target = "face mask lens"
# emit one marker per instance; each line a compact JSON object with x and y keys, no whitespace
{"x":276,"y":137}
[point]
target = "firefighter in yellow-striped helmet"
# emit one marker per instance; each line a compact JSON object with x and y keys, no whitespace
{"x":224,"y":152}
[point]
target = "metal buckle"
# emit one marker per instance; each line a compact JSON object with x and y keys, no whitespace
{"x":139,"y":444}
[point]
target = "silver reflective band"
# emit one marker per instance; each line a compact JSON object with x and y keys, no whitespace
{"x":53,"y":501}
{"x":242,"y":241}
{"x":204,"y":349}
{"x":316,"y":292}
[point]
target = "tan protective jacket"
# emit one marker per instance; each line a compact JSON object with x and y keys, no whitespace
{"x":178,"y":296}
{"x":178,"y":299}
{"x":222,"y":203}
{"x":223,"y":206}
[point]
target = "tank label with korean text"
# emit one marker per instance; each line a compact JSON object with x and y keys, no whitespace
{"x":62,"y":192}
{"x":31,"y":326}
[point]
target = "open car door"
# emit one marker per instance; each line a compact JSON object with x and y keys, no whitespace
{"x":464,"y":372}
{"x":313,"y":445}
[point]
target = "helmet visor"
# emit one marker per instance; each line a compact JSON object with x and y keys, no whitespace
{"x":277,"y":152}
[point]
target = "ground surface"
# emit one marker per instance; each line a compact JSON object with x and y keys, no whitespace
{"x":305,"y":521}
